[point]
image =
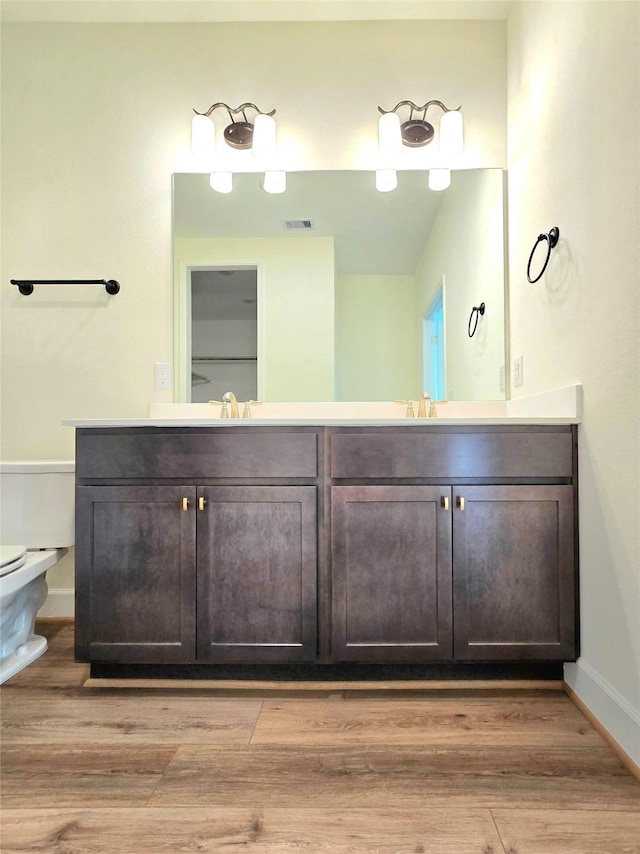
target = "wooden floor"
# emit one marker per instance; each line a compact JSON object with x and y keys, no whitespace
{"x":147,"y":771}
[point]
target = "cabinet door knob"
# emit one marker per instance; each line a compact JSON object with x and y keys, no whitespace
{"x":460,"y":501}
{"x":185,"y":503}
{"x":201,"y":503}
{"x":445,"y":502}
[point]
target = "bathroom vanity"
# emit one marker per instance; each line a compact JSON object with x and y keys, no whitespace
{"x":325,"y":544}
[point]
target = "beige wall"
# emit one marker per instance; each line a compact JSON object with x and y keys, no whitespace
{"x":573,"y":163}
{"x":295,"y":309}
{"x":96,"y":119}
{"x":376,"y":349}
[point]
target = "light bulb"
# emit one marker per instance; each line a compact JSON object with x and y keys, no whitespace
{"x":221,"y":182}
{"x":386,"y":180}
{"x":451,"y":133}
{"x":274,"y":182}
{"x":203,"y":137}
{"x":264,"y":137}
{"x":389,"y":136}
{"x":439,"y":179}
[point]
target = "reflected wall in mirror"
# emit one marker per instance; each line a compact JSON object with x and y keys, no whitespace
{"x":335,"y":291}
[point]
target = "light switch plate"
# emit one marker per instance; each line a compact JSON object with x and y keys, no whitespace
{"x":518,"y":368}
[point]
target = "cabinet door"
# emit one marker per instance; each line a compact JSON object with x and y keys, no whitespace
{"x":257,"y":573}
{"x":513,"y":573}
{"x":391,"y":573}
{"x":135,"y":574}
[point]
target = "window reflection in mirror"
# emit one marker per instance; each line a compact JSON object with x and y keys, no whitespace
{"x":344,"y":277}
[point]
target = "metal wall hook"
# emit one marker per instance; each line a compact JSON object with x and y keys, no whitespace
{"x":25,"y":286}
{"x":478,"y":311}
{"x":552,"y":239}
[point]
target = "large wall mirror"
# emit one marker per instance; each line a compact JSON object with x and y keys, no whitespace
{"x":335,"y":291}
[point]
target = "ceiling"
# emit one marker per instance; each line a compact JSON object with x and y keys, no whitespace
{"x":374,"y":233}
{"x":250,"y":10}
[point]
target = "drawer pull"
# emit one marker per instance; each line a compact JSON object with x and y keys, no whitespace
{"x":445,"y":502}
{"x":460,"y":502}
{"x":185,"y":503}
{"x":201,"y":503}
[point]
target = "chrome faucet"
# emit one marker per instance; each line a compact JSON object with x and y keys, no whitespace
{"x":229,"y":399}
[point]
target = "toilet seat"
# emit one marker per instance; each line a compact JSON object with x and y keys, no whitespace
{"x":11,"y":558}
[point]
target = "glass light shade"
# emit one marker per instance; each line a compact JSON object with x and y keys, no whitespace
{"x":451,"y":133}
{"x":203,"y":137}
{"x":439,"y":179}
{"x":221,"y":182}
{"x":389,"y":136}
{"x":264,"y":137}
{"x":274,"y":182}
{"x":386,"y":180}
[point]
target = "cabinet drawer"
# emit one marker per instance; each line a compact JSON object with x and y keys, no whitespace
{"x":195,"y":454}
{"x":413,"y":454}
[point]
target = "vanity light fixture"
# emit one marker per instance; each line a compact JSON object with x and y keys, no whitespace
{"x":259,"y":135}
{"x":417,"y":132}
{"x":439,"y":179}
{"x":386,"y":180}
{"x":274,"y":181}
{"x":221,"y":182}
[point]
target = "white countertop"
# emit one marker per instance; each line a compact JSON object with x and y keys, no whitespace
{"x":557,"y":407}
{"x":315,"y":422}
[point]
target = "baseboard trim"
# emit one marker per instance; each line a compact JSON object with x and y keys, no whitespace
{"x":60,"y":602}
{"x":599,"y":702}
{"x":275,"y":686}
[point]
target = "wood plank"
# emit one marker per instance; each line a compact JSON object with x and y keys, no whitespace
{"x":568,"y":831}
{"x":55,"y":669}
{"x":152,"y":831}
{"x":480,"y":721}
{"x":40,"y":716}
{"x":81,"y":775}
{"x":384,"y":778}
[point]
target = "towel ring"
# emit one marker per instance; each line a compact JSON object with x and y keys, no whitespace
{"x":479,"y":312}
{"x":552,"y":239}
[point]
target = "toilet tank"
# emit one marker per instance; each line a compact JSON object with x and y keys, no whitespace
{"x":37,"y":504}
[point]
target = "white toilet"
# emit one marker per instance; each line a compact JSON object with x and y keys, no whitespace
{"x":36,"y":530}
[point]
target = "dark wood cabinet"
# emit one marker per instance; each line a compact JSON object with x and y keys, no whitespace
{"x":391,"y":558}
{"x":196,"y":572}
{"x":326,"y":545}
{"x":431,"y":561}
{"x":257,"y":573}
{"x":135,"y":579}
{"x":513,"y":573}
